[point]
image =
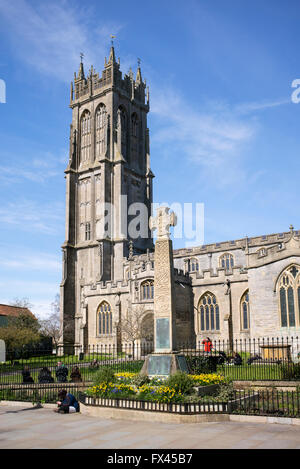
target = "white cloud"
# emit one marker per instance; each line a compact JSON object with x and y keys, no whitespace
{"x":247,"y":108}
{"x":36,"y":261}
{"x":51,"y":35}
{"x":215,"y":139}
{"x":33,"y":217}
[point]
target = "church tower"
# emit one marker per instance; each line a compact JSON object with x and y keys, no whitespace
{"x":108,"y":181}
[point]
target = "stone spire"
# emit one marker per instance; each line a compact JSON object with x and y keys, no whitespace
{"x":112,"y":57}
{"x":139,"y":75}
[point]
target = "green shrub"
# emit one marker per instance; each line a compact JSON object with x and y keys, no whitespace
{"x":181,"y":382}
{"x":203,"y":364}
{"x":104,"y":375}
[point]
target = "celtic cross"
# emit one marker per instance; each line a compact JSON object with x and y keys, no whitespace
{"x":162,"y":222}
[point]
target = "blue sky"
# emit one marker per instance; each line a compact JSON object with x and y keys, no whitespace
{"x":223,"y":129}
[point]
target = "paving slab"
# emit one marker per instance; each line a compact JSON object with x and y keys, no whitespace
{"x":31,"y":428}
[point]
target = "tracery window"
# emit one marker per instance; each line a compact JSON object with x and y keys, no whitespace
{"x":104,"y":318}
{"x":85,"y":137}
{"x":122,"y":132}
{"x":289,"y":297}
{"x":101,"y":128}
{"x":192,"y":265}
{"x":208,"y":313}
{"x":245,"y":311}
{"x":147,"y":290}
{"x":227,"y":261}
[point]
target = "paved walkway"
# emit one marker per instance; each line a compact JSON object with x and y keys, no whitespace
{"x":42,"y":429}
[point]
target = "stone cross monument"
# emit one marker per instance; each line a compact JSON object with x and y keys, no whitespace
{"x":165,"y":360}
{"x":164,"y":308}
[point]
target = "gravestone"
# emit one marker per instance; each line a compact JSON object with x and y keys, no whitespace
{"x":165,"y":360}
{"x":2,"y":351}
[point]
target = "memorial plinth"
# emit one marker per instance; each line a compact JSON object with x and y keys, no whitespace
{"x":165,"y":360}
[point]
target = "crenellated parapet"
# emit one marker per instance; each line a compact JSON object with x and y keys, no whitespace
{"x":243,"y":243}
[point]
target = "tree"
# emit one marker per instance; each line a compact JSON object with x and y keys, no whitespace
{"x":22,"y":330}
{"x":16,"y":337}
{"x":136,"y":325}
{"x":21,"y":303}
{"x":51,"y":327}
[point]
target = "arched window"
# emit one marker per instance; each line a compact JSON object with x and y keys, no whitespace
{"x":85,"y":137}
{"x":100,"y":129}
{"x":227,"y":262}
{"x":147,"y":290}
{"x":208,"y":313}
{"x":289,"y":297}
{"x":245,"y":311}
{"x":104,"y":316}
{"x":122,"y":131}
{"x":192,"y":265}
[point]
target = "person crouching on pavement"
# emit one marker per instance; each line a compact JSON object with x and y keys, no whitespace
{"x":67,"y":403}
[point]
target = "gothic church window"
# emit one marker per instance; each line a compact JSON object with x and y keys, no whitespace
{"x":245,"y":311}
{"x":101,"y":129}
{"x":227,"y":262}
{"x":104,"y":318}
{"x":192,"y":265}
{"x":134,"y":138}
{"x":147,"y":290}
{"x":85,"y":137}
{"x":122,"y":132}
{"x":289,"y":297}
{"x":208,"y":313}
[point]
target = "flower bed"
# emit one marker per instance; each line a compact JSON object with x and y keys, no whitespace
{"x":175,"y":389}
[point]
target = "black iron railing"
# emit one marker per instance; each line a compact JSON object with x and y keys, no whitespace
{"x":262,"y":359}
{"x":274,"y":403}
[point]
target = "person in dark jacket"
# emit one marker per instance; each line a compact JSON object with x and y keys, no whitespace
{"x":26,"y":376}
{"x":45,"y":376}
{"x":237,"y":359}
{"x":61,"y":372}
{"x":75,"y":375}
{"x":67,"y":403}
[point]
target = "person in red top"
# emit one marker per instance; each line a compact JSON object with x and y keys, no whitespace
{"x":208,"y":346}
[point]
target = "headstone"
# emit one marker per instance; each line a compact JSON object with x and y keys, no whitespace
{"x":165,"y":360}
{"x":2,"y":351}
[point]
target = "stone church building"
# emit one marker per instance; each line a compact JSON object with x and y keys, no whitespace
{"x":248,"y":287}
